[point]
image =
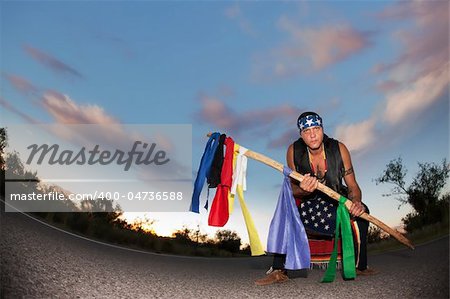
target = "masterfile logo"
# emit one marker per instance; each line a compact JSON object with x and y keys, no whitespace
{"x":137,"y":168}
{"x":148,"y":155}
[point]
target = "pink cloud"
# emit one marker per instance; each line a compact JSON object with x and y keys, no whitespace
{"x":8,"y":106}
{"x":425,"y":48}
{"x":51,"y":62}
{"x":66,"y":111}
{"x":388,"y":86}
{"x":418,"y":77}
{"x":309,"y":49}
{"x":421,"y":70}
{"x":326,"y":45}
{"x":409,"y":102}
{"x":222,"y":117}
{"x":216,"y":112}
{"x":21,"y":84}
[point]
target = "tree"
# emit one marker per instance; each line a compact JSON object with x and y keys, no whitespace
{"x":228,"y":240}
{"x":187,"y":235}
{"x":3,"y":145}
{"x":374,"y":234}
{"x":183,"y":235}
{"x":423,"y":192}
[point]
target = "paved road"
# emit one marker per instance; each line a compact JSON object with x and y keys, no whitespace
{"x":41,"y":262}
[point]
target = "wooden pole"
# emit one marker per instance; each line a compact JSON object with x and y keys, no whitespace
{"x":331,"y":193}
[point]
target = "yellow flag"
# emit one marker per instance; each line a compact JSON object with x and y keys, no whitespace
{"x":231,"y":196}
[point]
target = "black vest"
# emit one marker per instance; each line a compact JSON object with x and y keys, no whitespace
{"x":335,"y":166}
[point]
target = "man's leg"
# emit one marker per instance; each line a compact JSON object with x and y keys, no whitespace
{"x":278,"y":261}
{"x":363,"y":227}
{"x":278,"y":274}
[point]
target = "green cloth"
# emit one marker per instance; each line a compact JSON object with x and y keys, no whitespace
{"x":348,"y":250}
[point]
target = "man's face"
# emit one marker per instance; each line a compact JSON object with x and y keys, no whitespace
{"x":313,"y":137}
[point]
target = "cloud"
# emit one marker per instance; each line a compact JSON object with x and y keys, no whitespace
{"x":325,"y":45}
{"x":109,"y":133}
{"x":409,"y":102}
{"x":357,"y":136}
{"x":21,"y":84}
{"x":309,"y":49}
{"x":387,"y":86}
{"x":115,"y":42}
{"x":8,"y":106}
{"x":417,"y":78}
{"x":425,"y":47}
{"x":285,"y":139}
{"x":66,"y":111}
{"x":51,"y":62}
{"x":235,"y":13}
{"x":280,"y":119}
{"x":222,"y":117}
{"x":421,"y":70}
{"x":217,"y":113}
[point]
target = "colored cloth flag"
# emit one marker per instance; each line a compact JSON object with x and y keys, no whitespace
{"x":232,"y":194}
{"x":205,"y":164}
{"x":215,"y":171}
{"x":219,"y":214}
{"x":287,"y":234}
{"x":238,"y":187}
{"x":348,"y":250}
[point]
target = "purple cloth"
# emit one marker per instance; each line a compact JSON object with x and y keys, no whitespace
{"x":287,"y":234}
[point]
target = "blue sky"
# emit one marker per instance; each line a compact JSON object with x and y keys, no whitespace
{"x":376,"y":71}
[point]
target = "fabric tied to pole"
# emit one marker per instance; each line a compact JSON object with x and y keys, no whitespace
{"x":286,"y":233}
{"x":348,"y":253}
{"x":205,"y":165}
{"x":213,"y":177}
{"x":238,"y":187}
{"x":219,"y":214}
{"x":231,"y":194}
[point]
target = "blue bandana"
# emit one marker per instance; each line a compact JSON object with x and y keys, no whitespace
{"x":308,"y":121}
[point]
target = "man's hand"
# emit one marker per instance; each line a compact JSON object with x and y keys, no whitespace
{"x":356,"y":209}
{"x":309,"y":183}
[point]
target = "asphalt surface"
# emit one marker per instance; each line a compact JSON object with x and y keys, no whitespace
{"x":38,"y":261}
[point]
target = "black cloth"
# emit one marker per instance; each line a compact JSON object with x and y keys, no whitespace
{"x":363,"y":227}
{"x":335,"y":165}
{"x":213,"y":177}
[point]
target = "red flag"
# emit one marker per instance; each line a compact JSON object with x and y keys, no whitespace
{"x":219,"y":214}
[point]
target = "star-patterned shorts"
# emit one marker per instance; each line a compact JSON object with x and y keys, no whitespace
{"x":319,"y":215}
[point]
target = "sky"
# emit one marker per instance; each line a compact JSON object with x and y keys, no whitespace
{"x":376,"y":71}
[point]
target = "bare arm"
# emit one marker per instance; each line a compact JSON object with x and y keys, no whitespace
{"x":308,"y":185}
{"x":354,"y":192}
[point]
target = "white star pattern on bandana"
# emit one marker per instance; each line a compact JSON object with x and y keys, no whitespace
{"x":309,"y":121}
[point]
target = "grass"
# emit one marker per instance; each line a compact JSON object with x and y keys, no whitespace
{"x":427,"y":233}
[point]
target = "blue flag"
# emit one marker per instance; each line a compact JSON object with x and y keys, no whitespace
{"x":203,"y":169}
{"x":287,"y":234}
